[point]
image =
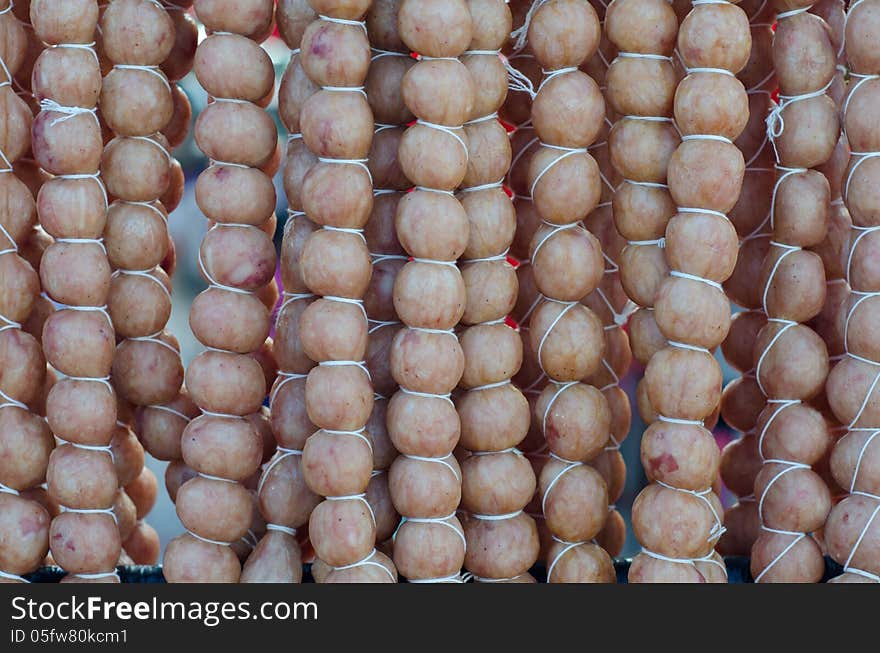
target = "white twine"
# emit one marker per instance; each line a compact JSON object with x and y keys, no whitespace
{"x":431,"y":261}
{"x":554,"y":229}
{"x":560,"y":388}
{"x":688,"y":346}
{"x":444,"y":460}
{"x":443,"y":521}
{"x":88,"y":47}
{"x":5,"y":489}
{"x":213,"y":283}
{"x":847,"y":566}
{"x":566,"y":152}
{"x":208,"y":540}
{"x":153,"y":70}
{"x":487,"y":118}
{"x":378,"y":325}
{"x":291,"y":297}
{"x":499,"y":452}
{"x":694,"y":277}
{"x":281,"y":529}
{"x":361,"y":365}
{"x":786,"y":325}
{"x":709,"y":558}
{"x":793,"y":12}
{"x":428,"y":395}
{"x":345,"y":89}
{"x":863,"y":231}
{"x":707,"y":137}
{"x":220,"y":479}
{"x":476,"y":189}
{"x":211,"y":413}
{"x":149,"y":205}
{"x":490,"y":386}
{"x":152,"y":141}
{"x":6,"y":162}
{"x":83,"y":241}
{"x":796,"y":536}
{"x":452,"y":131}
{"x":7,"y":323}
{"x":99,"y":448}
{"x":864,"y":448}
{"x":344,"y":21}
{"x":775,"y":120}
{"x":356,"y":497}
{"x":782,"y":405}
{"x":520,"y":35}
{"x":641,"y":55}
{"x":368,"y":562}
{"x":172,"y":411}
{"x":280,"y":454}
{"x":98,"y":575}
{"x":846,"y":16}
{"x":379,"y":53}
{"x":488,"y":259}
{"x":567,"y":306}
{"x":678,"y":420}
{"x":860,"y":157}
{"x":9,"y":576}
{"x":359,"y":434}
{"x":510,"y":515}
{"x":567,"y":546}
{"x":659,"y":242}
{"x":94,"y":176}
{"x":568,"y":465}
{"x":483,"y":579}
{"x":362,"y":163}
{"x":145,"y":274}
{"x":515,"y":160}
{"x":714,"y":71}
{"x":786,"y":172}
{"x":66,"y":112}
{"x":90,"y":511}
{"x":439,"y":191}
{"x":718,"y":528}
{"x":454,"y":578}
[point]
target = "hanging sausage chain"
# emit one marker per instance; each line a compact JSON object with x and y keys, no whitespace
{"x":390,"y":61}
{"x":852,"y":532}
{"x":677,"y":519}
{"x":237,"y":258}
{"x":337,"y":195}
{"x":830,"y":324}
{"x":834,"y":250}
{"x":641,"y":84}
{"x":516,"y":112}
{"x":136,"y":169}
{"x":792,"y":360}
{"x":136,"y":104}
{"x":497,"y":480}
{"x":613,"y":306}
{"x":159,"y":427}
{"x":78,"y":339}
{"x":285,"y":501}
{"x":401,"y":399}
{"x":25,"y":439}
{"x":742,"y":399}
{"x":427,"y":360}
{"x":567,"y":337}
